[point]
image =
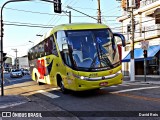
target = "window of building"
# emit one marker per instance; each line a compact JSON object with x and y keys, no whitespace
{"x":157,"y":17}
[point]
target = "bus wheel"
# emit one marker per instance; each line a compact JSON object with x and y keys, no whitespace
{"x":63,"y":89}
{"x":60,"y":83}
{"x":39,"y":83}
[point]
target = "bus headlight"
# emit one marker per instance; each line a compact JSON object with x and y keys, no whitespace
{"x":82,"y":77}
{"x":119,"y":71}
{"x":79,"y":77}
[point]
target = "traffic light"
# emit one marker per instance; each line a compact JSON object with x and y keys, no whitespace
{"x":4,"y":57}
{"x":137,"y":3}
{"x":145,"y":53}
{"x":57,"y":6}
{"x":129,"y":28}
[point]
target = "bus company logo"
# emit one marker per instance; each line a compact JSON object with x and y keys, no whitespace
{"x":111,"y":71}
{"x":93,"y":75}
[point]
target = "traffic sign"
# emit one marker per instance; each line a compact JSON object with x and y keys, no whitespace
{"x":144,"y":45}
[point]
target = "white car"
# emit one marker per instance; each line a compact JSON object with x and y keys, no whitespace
{"x":26,"y":72}
{"x":16,"y":73}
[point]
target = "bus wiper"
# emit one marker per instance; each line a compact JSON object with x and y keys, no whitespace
{"x":94,"y":61}
{"x":104,"y":58}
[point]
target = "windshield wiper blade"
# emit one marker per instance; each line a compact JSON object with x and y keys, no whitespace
{"x":94,"y":61}
{"x":104,"y":58}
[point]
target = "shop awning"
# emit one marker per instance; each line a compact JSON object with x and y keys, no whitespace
{"x":138,"y":53}
{"x":153,"y":12}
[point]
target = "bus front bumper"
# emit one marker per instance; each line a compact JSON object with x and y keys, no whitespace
{"x":83,"y":85}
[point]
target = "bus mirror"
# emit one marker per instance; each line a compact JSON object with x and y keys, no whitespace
{"x":121,"y":37}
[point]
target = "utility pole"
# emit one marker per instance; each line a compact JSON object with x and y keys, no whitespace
{"x":132,"y":61}
{"x":99,"y":12}
{"x":15,"y":50}
{"x":129,"y":6}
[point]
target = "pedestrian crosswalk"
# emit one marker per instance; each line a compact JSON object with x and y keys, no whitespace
{"x":55,"y":93}
{"x":48,"y":94}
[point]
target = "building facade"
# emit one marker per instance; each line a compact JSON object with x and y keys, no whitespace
{"x":8,"y":64}
{"x":147,"y":28}
{"x":22,"y":62}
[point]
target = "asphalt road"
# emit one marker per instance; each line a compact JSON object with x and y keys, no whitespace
{"x":128,"y":101}
{"x":10,"y":81}
{"x":119,"y":100}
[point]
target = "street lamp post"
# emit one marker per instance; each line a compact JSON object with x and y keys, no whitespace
{"x":1,"y":42}
{"x":15,"y":50}
{"x":69,"y":7}
{"x":31,"y":42}
{"x":68,"y":15}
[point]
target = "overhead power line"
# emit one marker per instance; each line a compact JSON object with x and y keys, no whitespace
{"x":28,"y":25}
{"x":51,"y":14}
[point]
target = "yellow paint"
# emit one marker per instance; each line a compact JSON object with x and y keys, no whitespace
{"x":69,"y":75}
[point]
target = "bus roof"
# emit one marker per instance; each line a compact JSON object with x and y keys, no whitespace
{"x":73,"y":26}
{"x":79,"y":26}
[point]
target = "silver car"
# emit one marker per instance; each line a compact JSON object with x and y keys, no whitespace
{"x":16,"y":73}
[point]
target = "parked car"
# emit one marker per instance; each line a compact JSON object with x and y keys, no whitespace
{"x":26,"y":72}
{"x":16,"y":73}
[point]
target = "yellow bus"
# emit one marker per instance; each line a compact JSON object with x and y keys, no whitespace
{"x":77,"y":57}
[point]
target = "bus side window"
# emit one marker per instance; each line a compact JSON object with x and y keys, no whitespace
{"x":54,"y":49}
{"x":38,"y":51}
{"x":33,"y":54}
{"x":46,"y":47}
{"x":30,"y":54}
{"x":50,"y":44}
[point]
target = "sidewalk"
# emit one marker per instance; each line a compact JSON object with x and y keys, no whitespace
{"x":150,"y":79}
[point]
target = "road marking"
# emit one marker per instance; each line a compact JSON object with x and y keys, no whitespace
{"x":138,"y":97}
{"x":11,"y":105}
{"x":19,"y":79}
{"x":113,"y":86}
{"x":124,"y":85}
{"x":135,"y":89}
{"x":7,"y":80}
{"x":48,"y":94}
{"x":135,"y":83}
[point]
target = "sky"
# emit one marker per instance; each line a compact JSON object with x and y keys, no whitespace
{"x":41,"y":14}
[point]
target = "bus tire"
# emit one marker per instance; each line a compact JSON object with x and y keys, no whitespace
{"x":39,"y":83}
{"x":61,"y":85}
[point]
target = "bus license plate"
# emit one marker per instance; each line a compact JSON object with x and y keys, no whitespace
{"x":103,"y":83}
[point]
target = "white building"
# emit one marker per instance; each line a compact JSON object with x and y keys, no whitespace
{"x":23,"y":62}
{"x":147,"y":27}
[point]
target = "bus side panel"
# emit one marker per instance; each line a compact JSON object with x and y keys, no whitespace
{"x":32,"y":64}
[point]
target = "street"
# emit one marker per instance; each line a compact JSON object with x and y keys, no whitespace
{"x":133,"y":100}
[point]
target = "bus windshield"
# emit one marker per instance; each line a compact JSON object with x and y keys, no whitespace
{"x":92,"y":49}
